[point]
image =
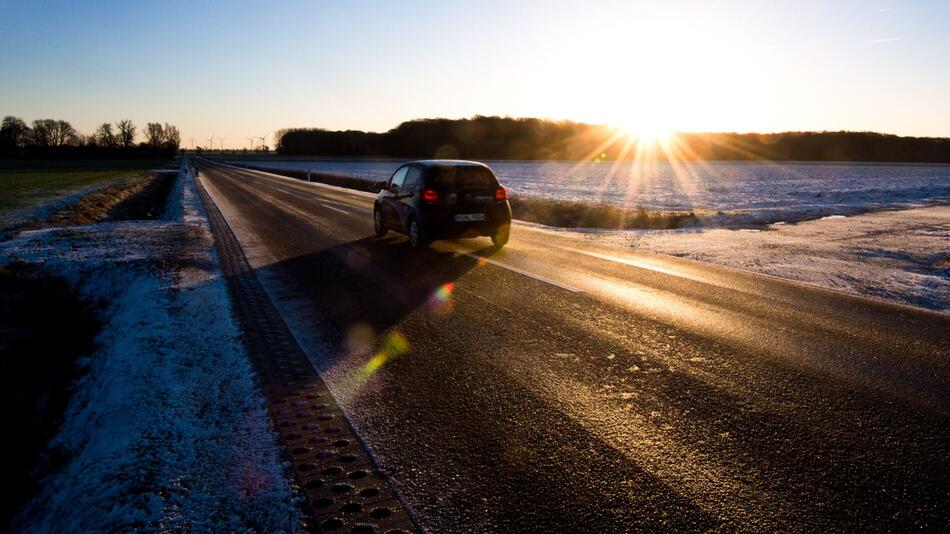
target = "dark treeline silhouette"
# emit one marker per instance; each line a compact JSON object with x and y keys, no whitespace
{"x":57,"y":139}
{"x":538,"y":139}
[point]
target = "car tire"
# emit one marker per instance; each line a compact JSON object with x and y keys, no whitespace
{"x":500,"y":237}
{"x":416,"y":235}
{"x":378,"y":225}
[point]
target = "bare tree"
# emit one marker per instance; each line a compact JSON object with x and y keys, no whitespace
{"x":126,"y":132}
{"x":43,"y":132}
{"x":104,"y":135}
{"x":172,"y":137}
{"x":14,"y":133}
{"x":154,"y":134}
{"x":63,"y":134}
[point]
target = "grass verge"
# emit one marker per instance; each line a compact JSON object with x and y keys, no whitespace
{"x":574,"y":214}
{"x":140,"y":198}
{"x":27,"y":183}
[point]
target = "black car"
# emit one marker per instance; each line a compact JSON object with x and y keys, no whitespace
{"x":443,"y":199}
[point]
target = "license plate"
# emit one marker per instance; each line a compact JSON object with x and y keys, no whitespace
{"x":467,"y":217}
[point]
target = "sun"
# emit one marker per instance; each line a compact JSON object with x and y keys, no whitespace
{"x":647,"y":132}
{"x":651,"y":135}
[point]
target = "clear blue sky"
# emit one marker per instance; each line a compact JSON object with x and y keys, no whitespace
{"x":241,"y":69}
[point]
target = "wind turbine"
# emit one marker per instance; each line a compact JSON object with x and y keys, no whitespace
{"x":263,"y":141}
{"x":211,"y":143}
{"x":251,"y":139}
{"x":221,"y":140}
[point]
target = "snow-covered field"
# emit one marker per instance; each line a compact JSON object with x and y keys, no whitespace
{"x":902,"y":256}
{"x":752,"y":192}
{"x":165,"y":431}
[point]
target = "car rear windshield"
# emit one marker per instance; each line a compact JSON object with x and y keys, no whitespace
{"x":461,"y":177}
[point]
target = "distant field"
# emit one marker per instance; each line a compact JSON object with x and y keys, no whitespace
{"x":28,"y":185}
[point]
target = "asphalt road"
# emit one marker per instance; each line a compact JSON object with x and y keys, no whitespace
{"x":562,"y":385}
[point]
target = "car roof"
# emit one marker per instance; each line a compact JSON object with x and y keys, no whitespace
{"x":447,"y":163}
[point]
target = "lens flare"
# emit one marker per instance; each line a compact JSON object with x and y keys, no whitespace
{"x":444,"y":291}
{"x":393,"y":346}
{"x":374,"y":363}
{"x":440,"y":301}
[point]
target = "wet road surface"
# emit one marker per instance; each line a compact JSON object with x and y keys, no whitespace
{"x":561,"y":385}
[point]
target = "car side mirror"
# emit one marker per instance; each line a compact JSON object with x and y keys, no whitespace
{"x":379,"y":186}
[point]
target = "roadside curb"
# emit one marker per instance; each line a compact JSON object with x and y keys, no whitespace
{"x":343,"y":488}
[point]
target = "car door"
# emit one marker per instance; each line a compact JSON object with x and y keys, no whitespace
{"x":408,"y":194}
{"x":390,"y":198}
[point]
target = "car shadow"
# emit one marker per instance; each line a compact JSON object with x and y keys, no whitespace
{"x":340,"y":282}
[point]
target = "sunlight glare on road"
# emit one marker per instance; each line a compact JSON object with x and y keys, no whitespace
{"x":660,"y":303}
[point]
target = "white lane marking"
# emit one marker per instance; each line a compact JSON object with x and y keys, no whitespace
{"x":523,"y":272}
{"x":344,"y":204}
{"x":335,"y":209}
{"x":296,"y":181}
{"x":296,"y":191}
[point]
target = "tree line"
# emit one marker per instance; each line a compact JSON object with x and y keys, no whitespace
{"x":58,"y":138}
{"x":483,"y":137}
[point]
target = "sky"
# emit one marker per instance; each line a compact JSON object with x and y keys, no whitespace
{"x":236,"y":70}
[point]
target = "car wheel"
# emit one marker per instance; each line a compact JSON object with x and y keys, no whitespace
{"x":501,"y":236}
{"x":416,"y":237}
{"x":378,"y":224}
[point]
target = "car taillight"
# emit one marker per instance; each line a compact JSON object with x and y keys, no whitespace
{"x":430,"y":195}
{"x":501,"y":194}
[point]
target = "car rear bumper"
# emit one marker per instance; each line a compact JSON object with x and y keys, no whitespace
{"x":445,"y":225}
{"x":446,"y":232}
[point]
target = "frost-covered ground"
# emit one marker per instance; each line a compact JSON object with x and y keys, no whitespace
{"x":901,"y":256}
{"x":165,"y":431}
{"x":750,"y":193}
